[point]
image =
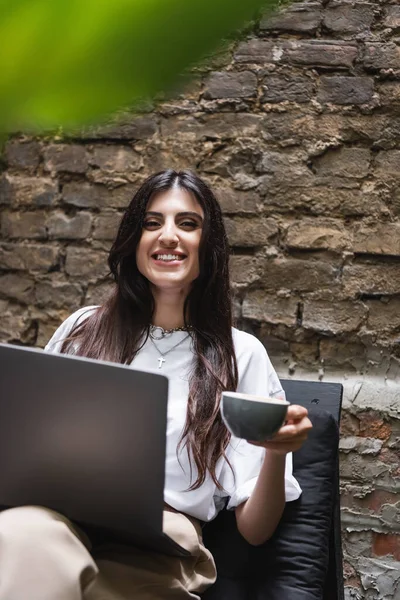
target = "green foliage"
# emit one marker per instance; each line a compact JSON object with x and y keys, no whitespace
{"x":71,"y":62}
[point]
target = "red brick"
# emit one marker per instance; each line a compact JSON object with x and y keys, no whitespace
{"x":386,"y":545}
{"x":378,"y":498}
{"x":373,"y":426}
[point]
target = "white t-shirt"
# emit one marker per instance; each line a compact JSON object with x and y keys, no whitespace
{"x":256,"y":376}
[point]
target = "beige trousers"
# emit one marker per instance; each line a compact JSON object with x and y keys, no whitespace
{"x":44,"y":557}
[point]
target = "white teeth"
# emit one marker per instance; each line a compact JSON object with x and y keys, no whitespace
{"x":168,"y":257}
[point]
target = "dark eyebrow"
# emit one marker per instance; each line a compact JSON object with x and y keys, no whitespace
{"x":180,"y":214}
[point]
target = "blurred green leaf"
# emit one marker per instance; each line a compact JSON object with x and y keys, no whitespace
{"x":71,"y":62}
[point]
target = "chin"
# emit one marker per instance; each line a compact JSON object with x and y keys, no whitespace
{"x":170,"y":284}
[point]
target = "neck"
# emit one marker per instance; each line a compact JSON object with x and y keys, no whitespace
{"x":168,"y":312}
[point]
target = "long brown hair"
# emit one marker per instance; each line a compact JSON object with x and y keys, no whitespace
{"x":117,"y":330}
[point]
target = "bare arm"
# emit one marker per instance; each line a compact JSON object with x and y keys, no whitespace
{"x":258,"y":517}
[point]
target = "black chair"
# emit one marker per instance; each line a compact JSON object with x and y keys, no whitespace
{"x":303,"y":559}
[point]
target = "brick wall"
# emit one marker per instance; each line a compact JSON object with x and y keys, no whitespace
{"x":297,"y":127}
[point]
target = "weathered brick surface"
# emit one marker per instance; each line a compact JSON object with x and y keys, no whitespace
{"x":28,"y":257}
{"x":371,"y":279}
{"x":231,"y":85}
{"x":271,"y":309}
{"x":297,"y":129}
{"x":343,"y":355}
{"x":69,"y":158}
{"x":22,"y":154}
{"x":250,"y":231}
{"x":17,"y":287}
{"x":313,"y":53}
{"x":386,"y":545}
{"x":304,"y":275}
{"x":344,"y":162}
{"x":60,"y":226}
{"x":382,"y":56}
{"x":352,"y":18}
{"x":245,"y":269}
{"x":28,"y":191}
{"x":392,"y":17}
{"x":129,"y":128}
{"x":106,"y":225}
{"x":97,"y":293}
{"x":236,"y":201}
{"x":323,"y":234}
{"x":86,"y":195}
{"x":116,"y":159}
{"x":383,"y":314}
{"x":58,"y":294}
{"x":387,"y":164}
{"x":258,"y":51}
{"x":389,"y":93}
{"x":81,"y":262}
{"x":300,"y":18}
{"x":13,"y":328}
{"x":380,"y":239}
{"x":28,"y":225}
{"x":320,"y":53}
{"x":281,"y":88}
{"x":346,"y":90}
{"x":333,"y":318}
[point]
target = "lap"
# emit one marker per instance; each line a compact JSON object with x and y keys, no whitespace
{"x":129,"y":572}
{"x":126,"y":572}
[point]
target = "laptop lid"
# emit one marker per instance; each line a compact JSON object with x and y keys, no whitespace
{"x":86,"y":438}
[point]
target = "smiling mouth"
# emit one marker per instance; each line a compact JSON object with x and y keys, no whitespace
{"x":168,"y":257}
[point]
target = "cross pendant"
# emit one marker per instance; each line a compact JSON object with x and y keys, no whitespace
{"x":161,"y":360}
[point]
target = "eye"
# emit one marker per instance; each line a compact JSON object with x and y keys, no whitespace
{"x":189,"y":224}
{"x":151,"y":224}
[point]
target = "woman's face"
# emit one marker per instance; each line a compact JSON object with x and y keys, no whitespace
{"x":168,"y":251}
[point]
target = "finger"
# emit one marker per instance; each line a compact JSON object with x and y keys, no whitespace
{"x":296,"y":412}
{"x":294,"y":429}
{"x":289,"y":440}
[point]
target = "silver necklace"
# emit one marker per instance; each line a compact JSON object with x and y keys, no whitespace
{"x":162,"y":360}
{"x":158,"y":333}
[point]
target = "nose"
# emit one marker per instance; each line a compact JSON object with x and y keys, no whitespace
{"x":169,"y":235}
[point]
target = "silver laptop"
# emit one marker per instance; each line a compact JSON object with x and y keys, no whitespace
{"x":85,"y":438}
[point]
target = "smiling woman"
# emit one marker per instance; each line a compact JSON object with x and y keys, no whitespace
{"x":170,"y":309}
{"x":168,"y":251}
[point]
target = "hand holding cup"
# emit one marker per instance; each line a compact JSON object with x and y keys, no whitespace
{"x":273,"y":423}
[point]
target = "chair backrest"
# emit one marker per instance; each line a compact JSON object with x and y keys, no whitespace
{"x":303,"y":559}
{"x":328,"y":397}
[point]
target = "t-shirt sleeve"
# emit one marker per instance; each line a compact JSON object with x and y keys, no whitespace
{"x":256,"y":376}
{"x":55,"y":343}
